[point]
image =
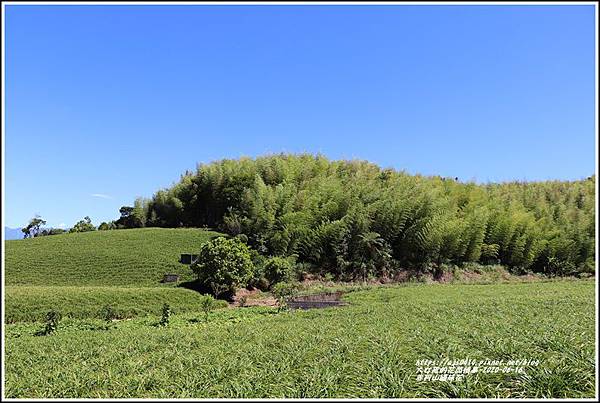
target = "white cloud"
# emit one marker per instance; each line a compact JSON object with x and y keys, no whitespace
{"x":62,"y":225}
{"x":100,"y":195}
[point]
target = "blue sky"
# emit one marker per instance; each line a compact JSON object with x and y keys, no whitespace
{"x":107,"y":103}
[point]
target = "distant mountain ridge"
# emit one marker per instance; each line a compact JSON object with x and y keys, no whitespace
{"x":12,"y":233}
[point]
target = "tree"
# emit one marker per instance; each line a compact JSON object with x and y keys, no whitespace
{"x":104,"y":226}
{"x":51,"y":231}
{"x":33,"y":228}
{"x":352,"y":219}
{"x":84,"y":225}
{"x":278,"y":269}
{"x":132,"y":217}
{"x":223,"y":264}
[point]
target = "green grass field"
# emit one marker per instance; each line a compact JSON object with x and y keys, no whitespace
{"x":80,"y":273}
{"x":31,"y":303}
{"x":366,"y":349}
{"x":134,"y":257}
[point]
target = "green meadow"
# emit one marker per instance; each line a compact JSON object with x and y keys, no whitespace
{"x":366,"y":349}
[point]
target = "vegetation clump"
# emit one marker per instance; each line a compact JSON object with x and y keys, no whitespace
{"x":52,"y":320}
{"x":223,"y":264}
{"x":278,"y":269}
{"x":108,"y":314}
{"x":207,"y":304}
{"x":165,"y":315}
{"x":355,"y":220}
{"x":284,"y":291}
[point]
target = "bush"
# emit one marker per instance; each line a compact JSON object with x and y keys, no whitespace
{"x":278,"y":269}
{"x":108,"y":314}
{"x":84,"y":225}
{"x":242,"y":237}
{"x":224,"y":264}
{"x":207,"y":304}
{"x":166,"y":315}
{"x":283,"y":291}
{"x":52,"y":319}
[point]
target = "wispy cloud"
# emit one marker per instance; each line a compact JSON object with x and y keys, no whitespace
{"x":62,"y":225}
{"x":100,"y":195}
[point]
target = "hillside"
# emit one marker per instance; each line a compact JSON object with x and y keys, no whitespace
{"x":134,"y":257}
{"x":353,"y":219}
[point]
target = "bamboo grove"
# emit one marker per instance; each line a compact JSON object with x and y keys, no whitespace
{"x":353,"y":219}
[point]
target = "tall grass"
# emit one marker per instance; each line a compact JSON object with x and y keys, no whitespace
{"x":367,"y":349}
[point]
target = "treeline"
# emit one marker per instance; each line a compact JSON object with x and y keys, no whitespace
{"x":35,"y":227}
{"x":353,"y":219}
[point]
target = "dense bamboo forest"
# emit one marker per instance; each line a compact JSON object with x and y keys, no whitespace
{"x":354,"y":219}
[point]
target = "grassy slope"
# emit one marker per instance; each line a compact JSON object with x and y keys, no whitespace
{"x":31,"y":303}
{"x":80,"y":273}
{"x":136,"y":257}
{"x":366,"y":349}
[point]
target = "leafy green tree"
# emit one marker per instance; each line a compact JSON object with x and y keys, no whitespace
{"x":51,"y":231}
{"x":33,"y":228}
{"x":224,"y":264}
{"x":84,"y":225}
{"x":278,"y":269}
{"x":132,"y":217}
{"x":106,"y":226}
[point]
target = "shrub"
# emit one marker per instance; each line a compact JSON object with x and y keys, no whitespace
{"x":224,"y":264}
{"x":207,"y":304}
{"x":52,"y":319}
{"x":107,"y":313}
{"x":283,"y":291}
{"x":242,"y":237}
{"x":166,"y":315}
{"x":278,"y":269}
{"x":84,"y":225}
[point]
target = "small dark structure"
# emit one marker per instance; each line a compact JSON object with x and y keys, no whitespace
{"x":324,"y":300}
{"x":170,"y":278}
{"x":187,"y":258}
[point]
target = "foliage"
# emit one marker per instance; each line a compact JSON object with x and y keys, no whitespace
{"x":165,"y":315}
{"x":278,"y":269}
{"x":52,"y":320}
{"x":133,"y":217}
{"x":51,"y":231}
{"x":284,"y":291}
{"x":105,"y":226}
{"x":108,"y":314}
{"x":355,"y":220}
{"x":84,"y":225}
{"x":207,"y":304}
{"x":33,"y":228}
{"x":223,"y":264}
{"x":367,"y":349}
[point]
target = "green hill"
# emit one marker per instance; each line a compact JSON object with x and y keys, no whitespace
{"x":80,"y":273}
{"x":135,"y":257}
